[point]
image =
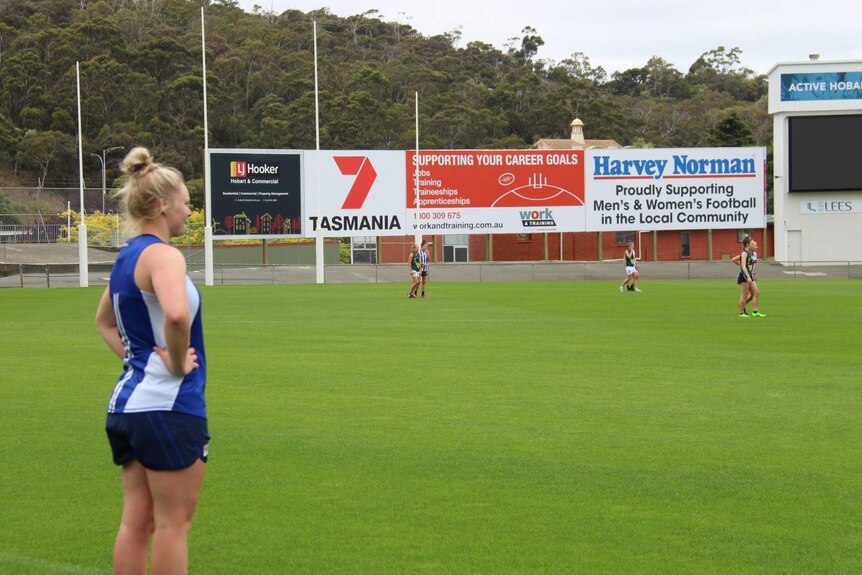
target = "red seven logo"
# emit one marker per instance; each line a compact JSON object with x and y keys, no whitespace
{"x":359,"y":166}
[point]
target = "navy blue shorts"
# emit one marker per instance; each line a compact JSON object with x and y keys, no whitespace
{"x":160,"y":440}
{"x":740,"y":279}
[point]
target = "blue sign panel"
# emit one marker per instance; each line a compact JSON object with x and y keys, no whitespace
{"x":821,"y":86}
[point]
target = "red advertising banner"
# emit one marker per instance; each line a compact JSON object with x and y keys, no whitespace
{"x":507,"y":191}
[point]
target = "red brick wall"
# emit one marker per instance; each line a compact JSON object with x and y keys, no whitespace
{"x":477,"y":250}
{"x":582,"y":246}
{"x":508,"y":248}
{"x":670,"y":245}
{"x":725,"y":244}
{"x":394,"y":250}
{"x":586,"y":246}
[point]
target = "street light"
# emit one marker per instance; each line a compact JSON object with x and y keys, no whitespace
{"x":102,"y":159}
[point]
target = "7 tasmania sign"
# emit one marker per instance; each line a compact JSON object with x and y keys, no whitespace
{"x":360,"y":193}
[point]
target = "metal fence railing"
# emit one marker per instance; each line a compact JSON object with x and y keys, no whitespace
{"x":56,"y":234}
{"x":32,"y":233}
{"x":67,"y":275}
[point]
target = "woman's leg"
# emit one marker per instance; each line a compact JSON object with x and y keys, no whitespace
{"x":625,"y":282}
{"x":755,"y":295}
{"x":175,"y":495}
{"x":136,"y":526}
{"x":743,"y":296}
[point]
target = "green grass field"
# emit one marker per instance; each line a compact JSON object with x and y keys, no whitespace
{"x":492,"y":428}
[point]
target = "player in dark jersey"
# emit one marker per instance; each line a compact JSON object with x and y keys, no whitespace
{"x":157,"y":427}
{"x":747,"y":278}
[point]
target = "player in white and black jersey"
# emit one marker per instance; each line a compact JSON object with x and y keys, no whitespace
{"x":423,"y":263}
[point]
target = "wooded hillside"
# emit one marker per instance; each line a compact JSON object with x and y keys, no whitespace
{"x":141,"y":85}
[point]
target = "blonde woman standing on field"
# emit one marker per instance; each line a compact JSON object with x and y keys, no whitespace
{"x":150,"y":317}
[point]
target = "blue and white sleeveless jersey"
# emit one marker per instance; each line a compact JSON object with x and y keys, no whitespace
{"x":146,"y":384}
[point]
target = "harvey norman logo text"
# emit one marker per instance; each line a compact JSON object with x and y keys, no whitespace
{"x":242,"y":169}
{"x":537,"y":218}
{"x":682,"y":166}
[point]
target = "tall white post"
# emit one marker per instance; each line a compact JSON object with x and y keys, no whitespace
{"x":318,"y":236}
{"x":418,"y":236}
{"x":104,"y":190}
{"x":83,"y":264}
{"x":208,"y":229}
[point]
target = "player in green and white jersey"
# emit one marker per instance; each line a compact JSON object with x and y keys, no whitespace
{"x":415,"y":270}
{"x":747,"y":278}
{"x":631,"y":281}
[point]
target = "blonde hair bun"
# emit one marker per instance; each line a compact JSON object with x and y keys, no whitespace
{"x":137,"y":161}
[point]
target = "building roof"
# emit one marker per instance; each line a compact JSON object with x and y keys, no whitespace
{"x":554,"y":144}
{"x":576,"y":142}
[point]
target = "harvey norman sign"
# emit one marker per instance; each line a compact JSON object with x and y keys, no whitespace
{"x":675,"y":189}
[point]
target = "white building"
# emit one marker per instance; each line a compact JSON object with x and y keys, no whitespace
{"x":817,"y":130}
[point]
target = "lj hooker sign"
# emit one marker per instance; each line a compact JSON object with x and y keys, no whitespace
{"x":675,"y":189}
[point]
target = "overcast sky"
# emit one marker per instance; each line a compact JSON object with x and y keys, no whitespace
{"x":622,"y":34}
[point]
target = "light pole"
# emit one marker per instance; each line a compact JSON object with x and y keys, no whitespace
{"x":101,"y":158}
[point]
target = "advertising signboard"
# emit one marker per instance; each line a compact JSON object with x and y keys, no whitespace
{"x":355,"y":193}
{"x":824,"y":85}
{"x":272,"y":193}
{"x":496,"y":191}
{"x":256,"y":193}
{"x":675,"y":189}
